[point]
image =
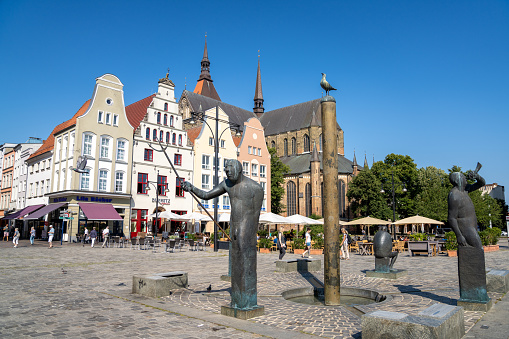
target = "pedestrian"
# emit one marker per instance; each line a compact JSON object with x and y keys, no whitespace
{"x":32,"y":235}
{"x":51,"y":233}
{"x":345,"y":254}
{"x":281,"y":243}
{"x":6,"y":233}
{"x":106,"y":234}
{"x":85,"y":237}
{"x":93,"y":236}
{"x":364,"y":237}
{"x":308,"y":243}
{"x":15,"y":238}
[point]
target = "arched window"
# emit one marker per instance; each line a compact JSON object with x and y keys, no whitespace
{"x":167,"y":137}
{"x":180,"y":139}
{"x":166,"y":106}
{"x":341,"y":193}
{"x":294,"y":146}
{"x":171,"y":120}
{"x":273,"y":144}
{"x":174,"y":139}
{"x":291,"y":199}
{"x":306,"y":143}
{"x":165,"y":119}
{"x":154,"y":135}
{"x":147,"y":134}
{"x":158,"y":117}
{"x":161,"y":136}
{"x":308,"y":200}
{"x":285,"y":147}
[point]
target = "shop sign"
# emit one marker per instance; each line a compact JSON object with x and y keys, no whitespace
{"x":61,"y":199}
{"x":93,"y":199}
{"x":161,"y":201}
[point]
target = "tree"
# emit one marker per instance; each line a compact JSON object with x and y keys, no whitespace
{"x":277,"y":173}
{"x":486,"y":208}
{"x":434,"y":186}
{"x":365,"y":197}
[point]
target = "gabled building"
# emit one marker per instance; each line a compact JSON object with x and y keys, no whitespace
{"x":157,"y":123}
{"x":7,"y":153}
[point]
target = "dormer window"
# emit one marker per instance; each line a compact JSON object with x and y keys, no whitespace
{"x":166,"y":106}
{"x":100,"y":117}
{"x":108,"y":118}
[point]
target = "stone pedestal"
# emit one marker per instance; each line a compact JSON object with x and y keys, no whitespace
{"x":226,"y":277}
{"x":497,"y":281}
{"x":392,"y":274}
{"x":472,"y":275}
{"x":438,"y":321}
{"x":474,"y":306}
{"x":159,"y":284}
{"x":300,"y":264}
{"x":242,"y":314}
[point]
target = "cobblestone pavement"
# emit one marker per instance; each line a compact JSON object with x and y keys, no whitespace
{"x":81,"y":292}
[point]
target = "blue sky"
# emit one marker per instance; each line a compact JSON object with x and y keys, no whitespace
{"x":429,"y":79}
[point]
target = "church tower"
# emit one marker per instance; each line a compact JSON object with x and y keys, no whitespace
{"x":205,"y":86}
{"x":258,"y":98}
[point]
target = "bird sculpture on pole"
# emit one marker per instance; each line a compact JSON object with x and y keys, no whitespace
{"x":325,"y":85}
{"x":80,"y":166}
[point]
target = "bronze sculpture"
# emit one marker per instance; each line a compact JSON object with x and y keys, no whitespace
{"x":382,"y":247}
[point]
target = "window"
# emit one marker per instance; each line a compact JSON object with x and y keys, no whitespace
{"x":57,"y":154}
{"x":254,"y":170}
{"x":308,"y":200}
{"x":248,"y":149}
{"x":171,"y":120}
{"x":108,"y":117}
{"x":291,"y":199}
{"x":262,"y":171}
{"x":47,"y":185}
{"x":167,"y":137}
{"x":142,"y":183}
{"x":100,"y":117}
{"x":115,"y":119}
{"x":306,"y":143}
{"x":179,"y":192}
{"x":174,"y":139}
{"x":119,"y":181}
{"x":162,"y":184}
{"x":263,"y":186}
{"x":36,"y":188}
{"x":205,"y":162}
{"x":259,"y":152}
{"x":273,"y":144}
{"x":321,"y":142}
{"x":165,"y":119}
{"x":205,"y":181}
{"x":245,"y":168}
{"x":222,"y":143}
{"x":285,"y":147}
{"x":103,"y":180}
{"x":147,"y":133}
{"x":159,"y":117}
{"x":161,"y":136}
{"x":211,"y":141}
{"x":180,"y":139}
{"x":166,"y":107}
{"x":105,"y":148}
{"x":177,"y":159}
{"x":87,"y":144}
{"x":294,"y":146}
{"x":85,"y":181}
{"x":154,"y":135}
{"x":148,"y":155}
{"x":120,"y":150}
{"x":341,"y":193}
{"x":216,"y":162}
{"x":226,"y":202}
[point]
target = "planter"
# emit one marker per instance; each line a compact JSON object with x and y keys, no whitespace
{"x":315,"y":251}
{"x":452,"y":253}
{"x":264,"y":250}
{"x":298,"y":251}
{"x":491,"y":248}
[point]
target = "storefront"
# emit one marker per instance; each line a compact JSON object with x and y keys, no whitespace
{"x":45,"y":216}
{"x":16,"y":219}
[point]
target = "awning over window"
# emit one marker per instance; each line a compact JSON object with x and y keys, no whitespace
{"x":23,"y":212}
{"x":43,"y":211}
{"x":94,"y":211}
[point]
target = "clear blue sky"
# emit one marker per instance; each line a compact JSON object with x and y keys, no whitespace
{"x":429,"y":79}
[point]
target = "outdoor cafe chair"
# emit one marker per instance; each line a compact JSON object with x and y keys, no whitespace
{"x":169,"y":246}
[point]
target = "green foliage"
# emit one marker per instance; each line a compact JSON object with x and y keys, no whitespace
{"x":266,"y":243}
{"x":490,"y":236}
{"x":299,"y":244}
{"x":262,"y":233}
{"x":277,"y":190}
{"x":192,"y":236}
{"x":318,"y":243}
{"x":451,"y":244}
{"x":365,"y":197}
{"x":419,"y":236}
{"x":212,"y":236}
{"x":433,"y":189}
{"x":315,"y":216}
{"x":484,"y":206}
{"x":485,"y":237}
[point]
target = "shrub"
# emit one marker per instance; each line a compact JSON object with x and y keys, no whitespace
{"x":451,"y":244}
{"x":299,"y":244}
{"x":266,"y":243}
{"x":318,"y":243}
{"x":192,"y":236}
{"x":212,"y":238}
{"x":262,"y":233}
{"x":419,"y":236}
{"x":485,"y":237}
{"x":495,"y":235}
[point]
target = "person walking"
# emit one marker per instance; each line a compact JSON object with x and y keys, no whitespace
{"x":344,"y":245}
{"x":85,"y":237}
{"x":308,"y":243}
{"x":6,"y":233}
{"x":15,"y":238}
{"x":51,"y":233}
{"x":93,"y":236}
{"x":281,"y":243}
{"x":32,"y":235}
{"x":106,"y":234}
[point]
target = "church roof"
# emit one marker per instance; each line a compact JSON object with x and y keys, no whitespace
{"x":236,"y":114}
{"x":136,"y":111}
{"x":206,"y":87}
{"x":301,"y":163}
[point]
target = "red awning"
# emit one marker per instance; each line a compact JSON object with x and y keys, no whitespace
{"x":23,"y":212}
{"x":94,"y":211}
{"x":43,"y":211}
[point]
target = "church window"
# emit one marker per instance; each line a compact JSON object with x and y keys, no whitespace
{"x":291,"y":198}
{"x":321,"y":142}
{"x":294,"y":146}
{"x":285,"y":147}
{"x":308,"y":200}
{"x":272,"y":144}
{"x":306,"y":143}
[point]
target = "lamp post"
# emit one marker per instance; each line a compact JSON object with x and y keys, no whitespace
{"x":393,"y":191}
{"x":216,"y":136}
{"x":156,"y":185}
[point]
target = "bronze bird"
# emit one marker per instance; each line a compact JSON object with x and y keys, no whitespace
{"x":325,"y":85}
{"x":82,"y":163}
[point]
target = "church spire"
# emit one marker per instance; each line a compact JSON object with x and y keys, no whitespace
{"x":314,"y":155}
{"x":205,"y":64}
{"x":204,"y":86}
{"x":258,"y":98}
{"x":366,"y":162}
{"x":354,"y":159}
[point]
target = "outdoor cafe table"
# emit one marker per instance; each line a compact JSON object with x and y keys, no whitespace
{"x":365,"y":248}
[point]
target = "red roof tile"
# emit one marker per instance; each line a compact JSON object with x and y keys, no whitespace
{"x":193,"y":133}
{"x":136,"y":111}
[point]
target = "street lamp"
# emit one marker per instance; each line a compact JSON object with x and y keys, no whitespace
{"x":156,"y":185}
{"x":393,"y":191}
{"x":216,"y":136}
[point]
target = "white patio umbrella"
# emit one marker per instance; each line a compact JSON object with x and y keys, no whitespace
{"x":368,"y":221}
{"x":224,"y":217}
{"x":166,"y":215}
{"x":302,"y":220}
{"x":194,"y":216}
{"x":271,"y":218}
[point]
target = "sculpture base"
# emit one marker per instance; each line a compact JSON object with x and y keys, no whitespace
{"x":476,"y":307}
{"x":497,"y":281}
{"x":299,"y":264}
{"x":393,"y":274}
{"x":242,"y":314}
{"x":328,"y":98}
{"x":226,"y":277}
{"x":159,"y":284}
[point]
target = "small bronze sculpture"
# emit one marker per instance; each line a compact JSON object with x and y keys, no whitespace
{"x":246,"y":197}
{"x":462,"y":219}
{"x":382,"y":247}
{"x":325,"y":84}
